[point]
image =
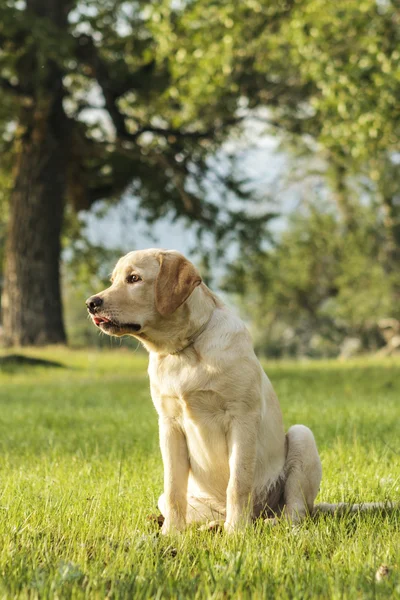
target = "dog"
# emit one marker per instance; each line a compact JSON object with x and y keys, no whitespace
{"x":225,"y":453}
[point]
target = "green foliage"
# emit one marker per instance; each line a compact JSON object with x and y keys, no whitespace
{"x":349,"y":50}
{"x":174,"y":78}
{"x":318,"y":284}
{"x":81,"y":470}
{"x":332,"y":72}
{"x":145,"y":110}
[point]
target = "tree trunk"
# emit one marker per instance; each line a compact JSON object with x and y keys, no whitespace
{"x":31,"y":302}
{"x":337,"y":173}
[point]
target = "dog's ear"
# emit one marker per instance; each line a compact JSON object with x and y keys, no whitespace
{"x":175,"y":282}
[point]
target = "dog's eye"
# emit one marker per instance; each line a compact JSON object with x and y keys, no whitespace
{"x":133,"y":278}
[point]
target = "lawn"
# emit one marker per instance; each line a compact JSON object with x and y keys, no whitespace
{"x":80,"y":471}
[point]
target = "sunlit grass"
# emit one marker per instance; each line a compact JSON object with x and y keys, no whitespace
{"x":80,"y":471}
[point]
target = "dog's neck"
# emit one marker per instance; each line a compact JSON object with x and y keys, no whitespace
{"x":191,"y":340}
{"x":180,"y":331}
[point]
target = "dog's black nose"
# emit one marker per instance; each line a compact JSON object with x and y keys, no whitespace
{"x":94,"y":302}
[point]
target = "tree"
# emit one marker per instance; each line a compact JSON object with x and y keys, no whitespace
{"x":62,"y":62}
{"x":342,"y":62}
{"x":317,"y":284}
{"x":345,"y":55}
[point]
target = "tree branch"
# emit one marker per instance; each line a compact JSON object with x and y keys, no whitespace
{"x":87,"y":51}
{"x":112,"y":92}
{"x":179,"y":133}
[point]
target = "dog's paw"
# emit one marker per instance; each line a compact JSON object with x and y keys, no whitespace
{"x":170,"y":528}
{"x":271,"y":521}
{"x":231,"y":528}
{"x":212,"y":526}
{"x":238,"y":523}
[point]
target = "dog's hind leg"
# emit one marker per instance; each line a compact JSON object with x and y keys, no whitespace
{"x":303,"y":473}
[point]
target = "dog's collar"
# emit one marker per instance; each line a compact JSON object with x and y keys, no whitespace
{"x":193,"y":337}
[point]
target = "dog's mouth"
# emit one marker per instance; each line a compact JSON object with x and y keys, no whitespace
{"x":112,"y":327}
{"x":100,"y":320}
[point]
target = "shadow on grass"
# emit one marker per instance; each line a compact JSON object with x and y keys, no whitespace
{"x":14,"y":362}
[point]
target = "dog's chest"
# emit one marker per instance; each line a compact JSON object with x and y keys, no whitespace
{"x":187,"y":393}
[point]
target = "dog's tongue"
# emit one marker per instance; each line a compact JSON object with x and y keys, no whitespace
{"x":99,"y":320}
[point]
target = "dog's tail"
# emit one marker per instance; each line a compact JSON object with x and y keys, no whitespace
{"x":345,"y":508}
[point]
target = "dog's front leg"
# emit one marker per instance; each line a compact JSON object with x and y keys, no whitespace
{"x":176,"y":472}
{"x":242,"y":444}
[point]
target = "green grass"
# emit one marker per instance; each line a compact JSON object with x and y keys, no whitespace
{"x":80,"y":470}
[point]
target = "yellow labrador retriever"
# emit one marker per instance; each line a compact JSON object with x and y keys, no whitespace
{"x":225,"y":453}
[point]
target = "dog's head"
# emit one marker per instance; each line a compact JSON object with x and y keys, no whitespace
{"x":147,"y":288}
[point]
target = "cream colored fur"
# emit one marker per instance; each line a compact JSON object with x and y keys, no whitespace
{"x":225,"y":453}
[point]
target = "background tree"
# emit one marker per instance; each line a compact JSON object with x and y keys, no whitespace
{"x":62,"y":62}
{"x":345,"y":58}
{"x":346,"y":55}
{"x":316,"y":285}
{"x":325,"y":79}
